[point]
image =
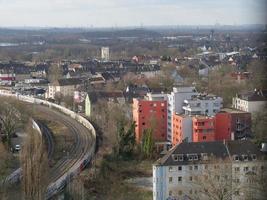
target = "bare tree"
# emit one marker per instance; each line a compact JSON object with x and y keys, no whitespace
{"x":34,"y":166}
{"x":76,"y":189}
{"x":55,"y":72}
{"x":9,"y":120}
{"x":214,"y":183}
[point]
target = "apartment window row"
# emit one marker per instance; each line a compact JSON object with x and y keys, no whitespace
{"x":244,"y":157}
{"x":179,"y":179}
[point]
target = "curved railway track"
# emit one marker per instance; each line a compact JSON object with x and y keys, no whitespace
{"x":81,"y":143}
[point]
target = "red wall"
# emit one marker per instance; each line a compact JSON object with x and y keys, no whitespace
{"x":150,"y":114}
{"x":205,"y":132}
{"x":223,"y":126}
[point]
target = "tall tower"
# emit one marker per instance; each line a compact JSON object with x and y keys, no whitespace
{"x":105,"y":53}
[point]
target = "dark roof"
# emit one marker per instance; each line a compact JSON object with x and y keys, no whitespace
{"x":69,"y":81}
{"x":260,"y":95}
{"x":243,"y":147}
{"x":216,"y":149}
{"x":95,"y":95}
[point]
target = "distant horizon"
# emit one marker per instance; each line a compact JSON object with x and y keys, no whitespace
{"x":135,"y":27}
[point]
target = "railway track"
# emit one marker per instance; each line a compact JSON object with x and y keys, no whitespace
{"x":81,"y":143}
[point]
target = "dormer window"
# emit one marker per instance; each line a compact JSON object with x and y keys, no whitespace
{"x":245,"y":157}
{"x":180,"y":157}
{"x":253,"y":157}
{"x":190,"y":157}
{"x":175,"y":157}
{"x":235,"y":158}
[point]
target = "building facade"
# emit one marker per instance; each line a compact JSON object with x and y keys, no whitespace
{"x":203,"y":129}
{"x":105,"y":53}
{"x":63,"y":87}
{"x":201,"y":104}
{"x":203,"y":169}
{"x":175,"y":104}
{"x":232,"y":124}
{"x":182,"y":129}
{"x":250,"y":102}
{"x":150,"y":114}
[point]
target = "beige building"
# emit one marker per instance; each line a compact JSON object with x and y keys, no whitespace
{"x":250,"y":102}
{"x":64,"y":87}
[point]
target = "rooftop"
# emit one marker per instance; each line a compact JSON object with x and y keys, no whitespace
{"x":215,"y":149}
{"x":257,"y":95}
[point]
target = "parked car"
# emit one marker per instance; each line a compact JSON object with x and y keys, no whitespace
{"x":17,"y":147}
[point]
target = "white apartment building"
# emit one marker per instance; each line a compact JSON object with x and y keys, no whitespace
{"x":197,"y":170}
{"x":156,"y":97}
{"x":203,"y":105}
{"x":250,"y":102}
{"x":65,"y":87}
{"x":105,"y":53}
{"x":175,"y":104}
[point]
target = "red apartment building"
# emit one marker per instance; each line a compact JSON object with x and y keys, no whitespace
{"x":150,"y":114}
{"x":203,"y":129}
{"x":232,"y":124}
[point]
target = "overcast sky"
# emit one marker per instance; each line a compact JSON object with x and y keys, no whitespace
{"x":108,"y":13}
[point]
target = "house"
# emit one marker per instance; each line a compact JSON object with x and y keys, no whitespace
{"x":97,"y":79}
{"x":197,"y":170}
{"x":65,"y":87}
{"x":251,"y":101}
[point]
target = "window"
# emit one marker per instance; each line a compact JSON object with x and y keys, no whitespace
{"x":245,"y":157}
{"x":245,"y":169}
{"x":190,"y":178}
{"x":190,"y":167}
{"x":204,"y":156}
{"x":195,"y":167}
{"x":236,"y":193}
{"x":204,"y":137}
{"x":237,"y":169}
{"x":206,"y":167}
{"x":175,"y":157}
{"x":179,"y":179}
{"x":180,"y":157}
{"x":170,"y":193}
{"x":254,"y":168}
{"x":180,"y":168}
{"x":143,"y":123}
{"x":195,"y":157}
{"x":253,"y":157}
{"x":170,"y":179}
{"x":236,"y":158}
{"x":170,"y":169}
